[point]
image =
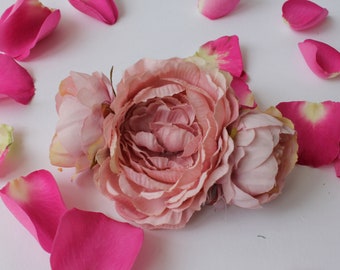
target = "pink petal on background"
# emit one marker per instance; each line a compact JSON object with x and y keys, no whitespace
{"x":214,"y":9}
{"x":321,"y":58}
{"x":36,"y":202}
{"x":243,"y":93}
{"x":23,"y":25}
{"x":89,"y":240}
{"x":102,"y":10}
{"x":15,"y":81}
{"x":303,"y":14}
{"x":6,"y":139}
{"x":318,"y":130}
{"x":226,"y":52}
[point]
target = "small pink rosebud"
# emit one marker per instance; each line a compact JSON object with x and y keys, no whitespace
{"x":23,"y":24}
{"x":214,"y":9}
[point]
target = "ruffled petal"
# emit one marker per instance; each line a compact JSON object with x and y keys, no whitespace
{"x":15,"y":81}
{"x":6,"y":139}
{"x":321,"y":58}
{"x":224,"y":53}
{"x":36,"y":202}
{"x":102,"y":10}
{"x":23,"y":25}
{"x":89,"y":240}
{"x":303,"y":14}
{"x":214,"y":9}
{"x":318,"y":129}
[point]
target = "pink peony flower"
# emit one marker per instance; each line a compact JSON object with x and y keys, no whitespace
{"x":166,"y":137}
{"x":24,"y":24}
{"x":265,"y":152}
{"x":81,"y":104}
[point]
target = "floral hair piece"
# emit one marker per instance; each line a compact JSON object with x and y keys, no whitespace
{"x":176,"y":135}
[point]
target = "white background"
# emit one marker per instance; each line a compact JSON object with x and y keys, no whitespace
{"x":299,"y":231}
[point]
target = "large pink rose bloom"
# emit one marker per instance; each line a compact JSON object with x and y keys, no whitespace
{"x":166,"y":137}
{"x":265,"y":152}
{"x":80,"y":103}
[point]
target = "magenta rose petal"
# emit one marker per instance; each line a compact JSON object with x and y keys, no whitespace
{"x":89,"y":240}
{"x":214,"y":9}
{"x":102,"y":10}
{"x":303,"y":14}
{"x":24,"y":24}
{"x":36,"y":202}
{"x":318,"y":129}
{"x":6,"y":139}
{"x":225,"y":53}
{"x":321,"y":58}
{"x":15,"y":81}
{"x":244,"y":94}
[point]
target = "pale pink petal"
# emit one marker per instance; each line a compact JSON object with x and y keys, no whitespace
{"x":225,"y":53}
{"x":23,"y":25}
{"x":102,"y":10}
{"x":321,"y":58}
{"x":318,"y":129}
{"x":89,"y":240}
{"x":303,"y":14}
{"x":36,"y":202}
{"x":15,"y":81}
{"x":214,"y":9}
{"x":244,"y":94}
{"x":6,"y":139}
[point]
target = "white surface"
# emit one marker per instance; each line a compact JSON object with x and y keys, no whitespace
{"x":299,"y":231}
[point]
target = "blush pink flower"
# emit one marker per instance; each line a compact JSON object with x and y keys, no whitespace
{"x":303,"y":14}
{"x":23,"y":25}
{"x":6,"y":140}
{"x":15,"y":81}
{"x":265,"y":152}
{"x":321,"y":58}
{"x":318,"y":128}
{"x":214,"y":9}
{"x":102,"y":10}
{"x":81,"y":104}
{"x":165,"y":138}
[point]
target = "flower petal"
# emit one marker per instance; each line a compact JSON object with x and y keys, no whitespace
{"x":303,"y":14}
{"x":318,"y":129}
{"x":321,"y":58}
{"x":15,"y":81}
{"x":36,"y":202}
{"x":243,"y":93}
{"x":89,"y":240}
{"x":214,"y":9}
{"x":102,"y":10}
{"x":24,"y":24}
{"x":6,"y":139}
{"x":224,"y":53}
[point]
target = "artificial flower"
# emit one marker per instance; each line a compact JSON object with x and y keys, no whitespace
{"x":6,"y":139}
{"x":81,"y":103}
{"x":303,"y":14}
{"x":214,"y":9}
{"x":321,"y":58}
{"x":15,"y":81}
{"x":23,"y":24}
{"x":90,"y":240}
{"x":265,"y":152}
{"x":166,"y":137}
{"x":318,"y":128}
{"x":102,"y":10}
{"x":36,"y":202}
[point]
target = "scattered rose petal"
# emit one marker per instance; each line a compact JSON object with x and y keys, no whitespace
{"x":36,"y":202}
{"x":6,"y":139}
{"x":24,"y":24}
{"x":303,"y":14}
{"x":15,"y":81}
{"x":224,"y":53}
{"x":214,"y":9}
{"x":321,"y":58}
{"x":89,"y":240}
{"x":102,"y":10}
{"x":318,"y":129}
{"x":243,"y":93}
